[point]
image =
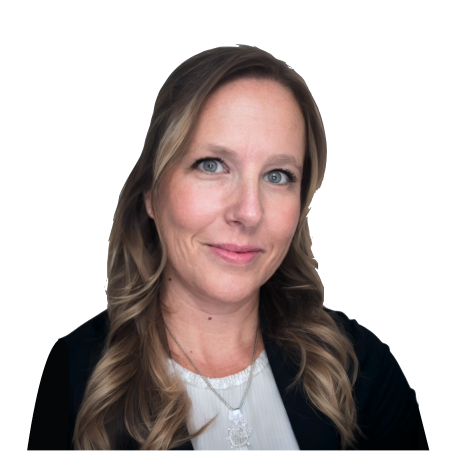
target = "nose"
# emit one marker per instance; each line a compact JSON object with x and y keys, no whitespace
{"x":245,"y":204}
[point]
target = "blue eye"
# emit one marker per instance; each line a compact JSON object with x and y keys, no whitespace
{"x":275,"y":176}
{"x":291,"y":177}
{"x":201,"y":160}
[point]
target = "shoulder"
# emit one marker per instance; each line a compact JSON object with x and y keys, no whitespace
{"x":85,"y":346}
{"x":87,"y":341}
{"x":67,"y":370}
{"x":366,"y":344}
{"x":377,"y":366}
{"x":88,"y":337}
{"x":89,"y":332}
{"x":387,"y":406}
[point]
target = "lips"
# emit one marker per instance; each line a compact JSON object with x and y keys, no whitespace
{"x":236,"y":248}
{"x":245,"y":255}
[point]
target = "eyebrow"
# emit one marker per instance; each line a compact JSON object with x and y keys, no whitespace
{"x":278,"y":158}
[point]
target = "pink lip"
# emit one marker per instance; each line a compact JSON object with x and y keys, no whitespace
{"x":236,"y":247}
{"x":235,"y":257}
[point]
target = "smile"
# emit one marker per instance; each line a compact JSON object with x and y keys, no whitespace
{"x":235,"y":257}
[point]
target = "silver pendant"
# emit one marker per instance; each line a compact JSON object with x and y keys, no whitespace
{"x":238,"y":433}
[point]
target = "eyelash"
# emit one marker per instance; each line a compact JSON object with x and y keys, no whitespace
{"x":291,"y":177}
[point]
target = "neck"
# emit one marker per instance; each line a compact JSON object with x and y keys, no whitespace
{"x":212,"y":335}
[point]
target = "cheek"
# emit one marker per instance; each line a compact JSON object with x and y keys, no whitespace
{"x":189,"y":208}
{"x":282,"y":219}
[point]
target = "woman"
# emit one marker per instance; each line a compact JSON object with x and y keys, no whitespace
{"x":215,"y":335}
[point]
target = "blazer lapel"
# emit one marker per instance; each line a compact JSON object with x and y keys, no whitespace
{"x":312,"y":429}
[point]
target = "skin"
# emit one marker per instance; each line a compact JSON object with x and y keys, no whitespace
{"x":212,"y":305}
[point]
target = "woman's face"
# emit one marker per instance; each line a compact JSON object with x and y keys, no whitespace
{"x":250,"y":137}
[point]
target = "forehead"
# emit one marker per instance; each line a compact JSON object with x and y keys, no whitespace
{"x":248,"y":92}
{"x":249,"y":115}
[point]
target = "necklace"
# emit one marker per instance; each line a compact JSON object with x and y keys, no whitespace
{"x":238,"y":434}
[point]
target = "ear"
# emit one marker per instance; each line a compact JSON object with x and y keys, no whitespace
{"x":148,"y":203}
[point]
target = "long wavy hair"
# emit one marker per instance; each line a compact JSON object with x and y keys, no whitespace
{"x":130,"y":392}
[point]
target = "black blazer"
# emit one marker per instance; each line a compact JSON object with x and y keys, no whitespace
{"x":387,"y":408}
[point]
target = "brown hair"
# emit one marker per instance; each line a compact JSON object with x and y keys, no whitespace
{"x":130,"y":390}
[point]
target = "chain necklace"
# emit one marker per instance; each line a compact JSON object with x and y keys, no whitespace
{"x":238,"y":434}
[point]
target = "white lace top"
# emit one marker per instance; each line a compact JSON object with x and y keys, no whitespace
{"x":263,"y":413}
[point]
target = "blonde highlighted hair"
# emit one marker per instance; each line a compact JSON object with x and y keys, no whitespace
{"x":130,"y":392}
